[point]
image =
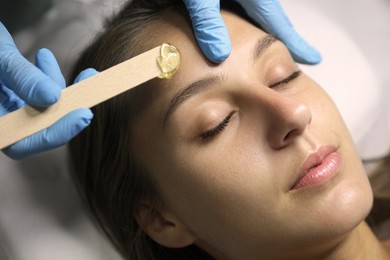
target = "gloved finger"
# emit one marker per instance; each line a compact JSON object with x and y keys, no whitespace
{"x":27,"y":81}
{"x":47,"y":63}
{"x":85,"y":74}
{"x":209,"y":29}
{"x":56,"y":135}
{"x":271,"y":17}
{"x":5,"y":36}
{"x":9,"y":101}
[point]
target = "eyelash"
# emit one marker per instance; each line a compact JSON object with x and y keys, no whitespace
{"x":285,"y":81}
{"x":219,"y":128}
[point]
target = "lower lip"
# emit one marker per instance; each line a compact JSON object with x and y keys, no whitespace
{"x":322,"y":173}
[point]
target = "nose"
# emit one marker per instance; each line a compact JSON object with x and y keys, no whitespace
{"x":288,"y":118}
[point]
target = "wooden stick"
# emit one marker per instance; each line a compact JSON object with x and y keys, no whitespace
{"x":85,"y":94}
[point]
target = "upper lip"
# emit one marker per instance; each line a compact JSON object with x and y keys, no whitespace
{"x":314,"y":159}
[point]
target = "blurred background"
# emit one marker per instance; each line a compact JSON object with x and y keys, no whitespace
{"x":41,"y":215}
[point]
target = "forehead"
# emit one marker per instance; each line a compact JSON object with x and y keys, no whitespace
{"x":175,"y":28}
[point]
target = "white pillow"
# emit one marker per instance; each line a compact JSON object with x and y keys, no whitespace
{"x":346,"y":74}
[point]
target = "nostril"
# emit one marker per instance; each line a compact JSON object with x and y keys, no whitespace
{"x":290,"y":129}
{"x":291,"y":135}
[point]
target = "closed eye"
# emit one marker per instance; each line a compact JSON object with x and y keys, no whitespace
{"x":218,"y":129}
{"x":285,"y":81}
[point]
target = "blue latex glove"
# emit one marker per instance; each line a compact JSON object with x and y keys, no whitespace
{"x":213,"y":38}
{"x":39,"y":85}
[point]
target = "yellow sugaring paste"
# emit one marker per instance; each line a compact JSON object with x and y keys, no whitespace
{"x":168,"y":61}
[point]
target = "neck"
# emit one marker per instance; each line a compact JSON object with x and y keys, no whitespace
{"x":360,"y":244}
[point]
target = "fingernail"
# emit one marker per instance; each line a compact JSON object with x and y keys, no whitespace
{"x":47,"y":93}
{"x":314,"y":56}
{"x":219,"y":52}
{"x":86,"y":118}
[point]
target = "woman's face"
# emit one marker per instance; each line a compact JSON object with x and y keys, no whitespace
{"x":228,"y":143}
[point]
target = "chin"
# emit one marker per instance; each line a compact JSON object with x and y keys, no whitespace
{"x":351,"y":198}
{"x":339,"y":213}
{"x":350,"y":203}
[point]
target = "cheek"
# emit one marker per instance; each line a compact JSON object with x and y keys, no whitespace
{"x":353,"y":196}
{"x":213,"y":189}
{"x":326,"y":119}
{"x":213,"y":177}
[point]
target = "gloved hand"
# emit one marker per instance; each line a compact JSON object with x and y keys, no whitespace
{"x":39,"y":85}
{"x":213,"y":37}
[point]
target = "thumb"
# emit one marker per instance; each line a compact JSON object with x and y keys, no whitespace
{"x":26,"y":80}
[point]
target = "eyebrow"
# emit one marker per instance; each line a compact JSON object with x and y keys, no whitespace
{"x":191,"y":90}
{"x":262,"y":45}
{"x":205,"y":83}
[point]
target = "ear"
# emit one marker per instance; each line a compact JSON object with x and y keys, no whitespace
{"x":164,"y":227}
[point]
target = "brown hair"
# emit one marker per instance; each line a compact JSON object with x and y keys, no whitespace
{"x":379,"y":217}
{"x":105,"y":170}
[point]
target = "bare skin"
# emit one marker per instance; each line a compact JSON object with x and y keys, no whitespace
{"x":226,"y":159}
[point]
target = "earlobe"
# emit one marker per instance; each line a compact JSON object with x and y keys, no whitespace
{"x":164,"y":227}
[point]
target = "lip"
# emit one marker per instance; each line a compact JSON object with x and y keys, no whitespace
{"x":319,"y":167}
